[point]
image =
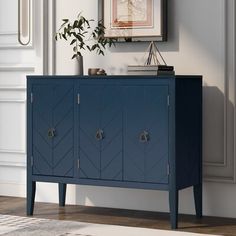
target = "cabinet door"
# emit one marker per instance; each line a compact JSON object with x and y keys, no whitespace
{"x":53,"y":129}
{"x":146,"y":134}
{"x":100,"y":130}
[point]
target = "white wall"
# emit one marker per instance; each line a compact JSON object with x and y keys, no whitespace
{"x":201,"y":41}
{"x":15,"y":63}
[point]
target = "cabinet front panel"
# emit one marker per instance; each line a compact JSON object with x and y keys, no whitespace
{"x":146,"y":134}
{"x":100,"y":129}
{"x":53,"y":130}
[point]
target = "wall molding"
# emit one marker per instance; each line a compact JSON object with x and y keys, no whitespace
{"x":219,"y":170}
{"x":12,"y":164}
{"x":13,"y":94}
{"x":50,"y":25}
{"x":223,"y":163}
{"x":17,"y":68}
{"x":13,"y":88}
{"x":13,"y":189}
{"x":12,"y":151}
{"x":8,"y":33}
{"x":16,"y":101}
{"x":16,"y":44}
{"x":13,"y":101}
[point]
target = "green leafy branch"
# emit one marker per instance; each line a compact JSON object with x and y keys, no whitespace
{"x":82,"y":37}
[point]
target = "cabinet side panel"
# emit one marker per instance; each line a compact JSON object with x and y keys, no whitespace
{"x":188,"y":131}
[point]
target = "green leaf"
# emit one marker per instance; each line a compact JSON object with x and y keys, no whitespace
{"x":73,"y":41}
{"x":75,"y":24}
{"x":78,"y":35}
{"x":74,"y":56}
{"x":94,"y":47}
{"x":82,"y":46}
{"x":80,"y":23}
{"x":79,"y":38}
{"x":78,"y":16}
{"x":64,"y":36}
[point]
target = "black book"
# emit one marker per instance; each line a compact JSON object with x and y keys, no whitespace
{"x":165,"y":68}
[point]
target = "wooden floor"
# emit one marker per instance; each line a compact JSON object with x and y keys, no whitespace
{"x":207,"y":225}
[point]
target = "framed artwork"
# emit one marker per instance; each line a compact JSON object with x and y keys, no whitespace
{"x":134,"y":20}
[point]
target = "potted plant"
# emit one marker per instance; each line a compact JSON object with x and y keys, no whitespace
{"x":82,"y":37}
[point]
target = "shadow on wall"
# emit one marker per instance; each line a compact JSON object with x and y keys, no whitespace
{"x":213,"y":125}
{"x":191,"y":17}
{"x":218,"y":117}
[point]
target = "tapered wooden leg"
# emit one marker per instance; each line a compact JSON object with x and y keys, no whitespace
{"x":174,"y":201}
{"x":31,"y":189}
{"x":62,"y":194}
{"x":197,"y":191}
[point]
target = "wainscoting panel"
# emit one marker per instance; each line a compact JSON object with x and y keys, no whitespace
{"x":219,"y":107}
{"x":14,"y":76}
{"x":12,"y":158}
{"x":12,"y":180}
{"x":12,"y":125}
{"x":8,"y":17}
{"x":9,"y":25}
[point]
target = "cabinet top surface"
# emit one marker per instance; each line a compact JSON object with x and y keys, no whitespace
{"x":110,"y":77}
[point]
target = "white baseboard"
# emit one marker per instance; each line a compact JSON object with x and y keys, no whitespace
{"x":13,"y":189}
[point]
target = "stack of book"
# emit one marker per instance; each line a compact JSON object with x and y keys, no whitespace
{"x":162,"y":70}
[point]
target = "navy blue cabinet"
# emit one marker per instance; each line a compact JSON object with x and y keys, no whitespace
{"x":118,"y":131}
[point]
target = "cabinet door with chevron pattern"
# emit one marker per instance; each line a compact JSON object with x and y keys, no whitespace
{"x":100,"y":129}
{"x":146,"y":134}
{"x":53,"y":129}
